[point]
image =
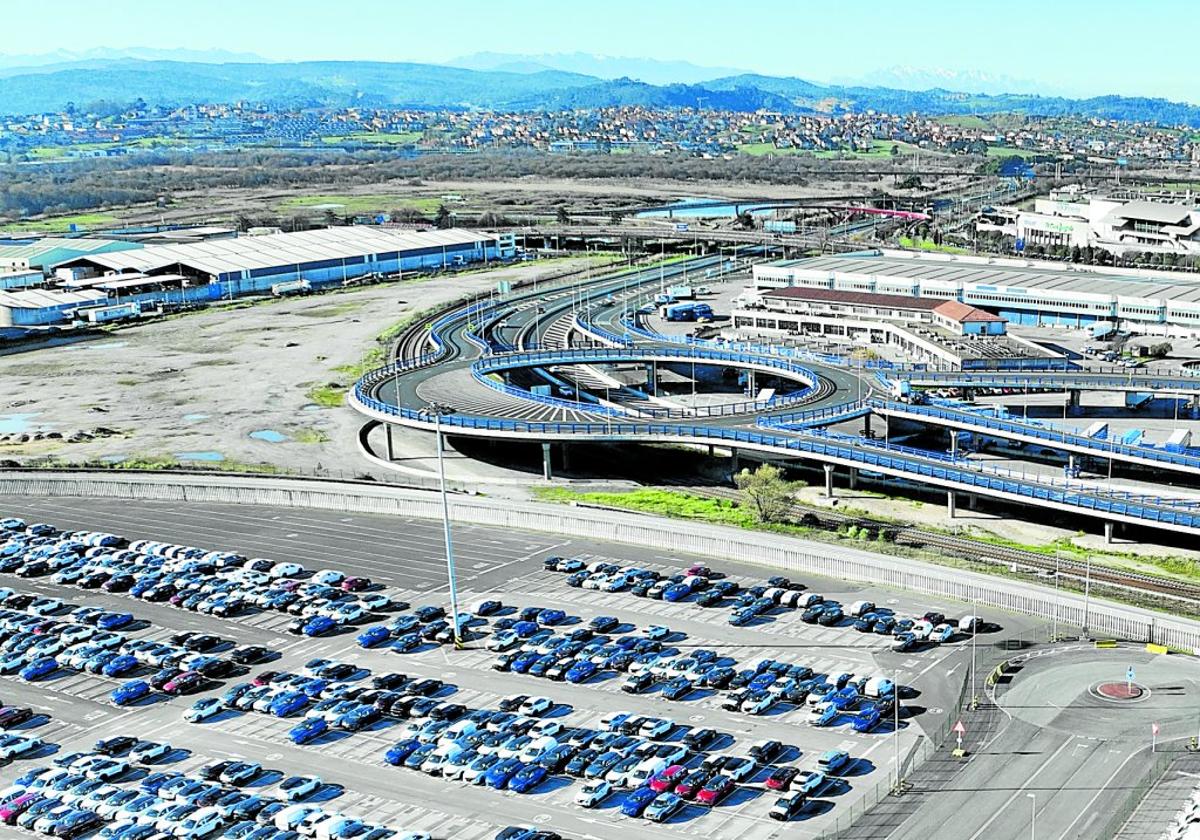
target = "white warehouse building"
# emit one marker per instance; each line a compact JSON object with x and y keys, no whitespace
{"x":1023,"y":292}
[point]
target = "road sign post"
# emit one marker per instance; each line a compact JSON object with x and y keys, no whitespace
{"x":959,"y":730}
{"x":1129,"y":681}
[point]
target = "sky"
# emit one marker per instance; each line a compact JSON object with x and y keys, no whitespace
{"x":1077,"y":47}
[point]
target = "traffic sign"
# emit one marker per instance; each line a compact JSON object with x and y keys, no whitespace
{"x":1129,"y":674}
{"x":959,"y":729}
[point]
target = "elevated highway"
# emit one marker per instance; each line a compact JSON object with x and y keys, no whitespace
{"x":468,"y":362}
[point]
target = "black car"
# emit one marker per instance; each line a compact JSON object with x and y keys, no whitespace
{"x":212,"y":772}
{"x":249,"y":654}
{"x":580,"y":761}
{"x":699,"y":740}
{"x":388,"y":682}
{"x":425,"y":688}
{"x":512,"y":703}
{"x":719,"y":677}
{"x":217,"y":669}
{"x":203,"y":643}
{"x":428,"y":613}
{"x":117,"y":745}
{"x":448,"y":711}
{"x":162,"y":677}
{"x":338,"y":671}
{"x":766,"y":752}
{"x":604,"y":623}
{"x":637,"y":683}
{"x":711,"y":598}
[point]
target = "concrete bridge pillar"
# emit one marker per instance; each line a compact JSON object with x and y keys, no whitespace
{"x":950,"y":503}
{"x":1071,"y":466}
{"x":566,"y":458}
{"x":736,"y":464}
{"x":652,"y":378}
{"x":953,"y":443}
{"x":854,"y":478}
{"x":867,"y":426}
{"x":828,"y":480}
{"x":1073,"y":406}
{"x":391,"y":452}
{"x":711,"y":450}
{"x":1108,"y":532}
{"x":547,"y":473}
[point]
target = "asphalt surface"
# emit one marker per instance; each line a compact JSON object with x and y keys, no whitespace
{"x":405,"y":554}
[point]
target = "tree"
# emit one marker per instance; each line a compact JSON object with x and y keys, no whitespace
{"x":895,"y":150}
{"x":442,"y":218}
{"x":244,"y":223}
{"x":616,"y":217}
{"x":561,"y":215}
{"x":330,"y":218}
{"x":766,"y":491}
{"x":745,"y":221}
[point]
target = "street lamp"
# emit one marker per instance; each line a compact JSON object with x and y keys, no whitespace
{"x":1032,"y":815}
{"x":436,"y":410}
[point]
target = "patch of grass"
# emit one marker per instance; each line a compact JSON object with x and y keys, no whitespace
{"x":401,"y":138}
{"x":329,"y":395}
{"x":168,"y":462}
{"x":929,"y":245}
{"x":307,"y":434}
{"x":964,"y":121}
{"x":1009,"y":151}
{"x":62,"y":223}
{"x":330,"y":310}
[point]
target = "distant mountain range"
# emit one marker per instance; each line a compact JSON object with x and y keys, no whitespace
{"x":50,"y":87}
{"x":649,"y":70}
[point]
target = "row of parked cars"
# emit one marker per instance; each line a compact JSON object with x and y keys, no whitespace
{"x":80,"y":792}
{"x":223,"y":584}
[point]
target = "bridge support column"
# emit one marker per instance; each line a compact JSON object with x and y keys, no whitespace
{"x":867,"y":426}
{"x":828,"y":480}
{"x":1073,"y":406}
{"x":953,"y":443}
{"x":711,"y":451}
{"x":391,"y":452}
{"x":547,"y":473}
{"x":853,"y":478}
{"x":951,"y":506}
{"x":1108,"y":532}
{"x":652,"y":379}
{"x":566,"y":457}
{"x":1072,"y":468}
{"x":735,"y":462}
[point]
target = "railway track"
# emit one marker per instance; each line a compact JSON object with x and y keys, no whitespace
{"x":982,"y":551}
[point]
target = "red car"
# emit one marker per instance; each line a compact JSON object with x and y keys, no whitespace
{"x":18,"y":806}
{"x":717,"y":789}
{"x":265,"y":678}
{"x":185,"y":683}
{"x":356,"y":584}
{"x":781,"y":778}
{"x":667,"y":779}
{"x":702,"y":571}
{"x":692,"y":783}
{"x":14,"y":716}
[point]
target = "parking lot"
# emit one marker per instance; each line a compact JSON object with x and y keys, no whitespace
{"x":404,"y":557}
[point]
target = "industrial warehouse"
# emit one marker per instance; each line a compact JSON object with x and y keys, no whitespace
{"x":1022,"y":293}
{"x":107,"y":284}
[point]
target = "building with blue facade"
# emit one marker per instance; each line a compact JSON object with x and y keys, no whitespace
{"x":211,"y":270}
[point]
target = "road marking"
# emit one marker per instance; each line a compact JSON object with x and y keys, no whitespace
{"x":983,"y":828}
{"x":1096,"y":796}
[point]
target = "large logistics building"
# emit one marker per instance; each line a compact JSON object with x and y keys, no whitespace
{"x":218,"y":269}
{"x":1022,"y":292}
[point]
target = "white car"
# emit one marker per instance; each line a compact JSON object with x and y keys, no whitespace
{"x":757,"y":705}
{"x":107,"y":769}
{"x":149,"y":751}
{"x":75,"y":633}
{"x":290,"y":818}
{"x":286,"y":570}
{"x":203,"y":709}
{"x":593,"y":793}
{"x":374,"y":601}
{"x":44,"y":606}
{"x":312,"y":822}
{"x":536,"y":748}
{"x":44,"y":823}
{"x":12,"y":746}
{"x":200,"y":824}
{"x":656,"y":632}
{"x":738,"y":768}
{"x":328,"y":577}
{"x":536,"y":706}
{"x":656,"y":728}
{"x":547,"y":727}
{"x":921,"y":630}
{"x":305,"y":786}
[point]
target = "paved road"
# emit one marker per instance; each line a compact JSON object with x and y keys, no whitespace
{"x":405,"y":555}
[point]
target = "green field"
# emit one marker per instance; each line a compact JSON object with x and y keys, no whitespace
{"x":61,"y":223}
{"x":1005,"y":151}
{"x":383,"y":138}
{"x":965,"y":121}
{"x":930,"y":245}
{"x":355,"y":204}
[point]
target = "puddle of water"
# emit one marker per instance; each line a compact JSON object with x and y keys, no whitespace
{"x":192,"y":418}
{"x":269,"y":435}
{"x":200,"y":456}
{"x":19,"y":424}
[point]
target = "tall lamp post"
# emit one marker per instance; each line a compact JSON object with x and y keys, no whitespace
{"x":436,"y":410}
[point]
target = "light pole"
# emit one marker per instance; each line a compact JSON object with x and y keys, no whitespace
{"x":1032,"y":815}
{"x":1087,"y":594}
{"x":437,"y":410}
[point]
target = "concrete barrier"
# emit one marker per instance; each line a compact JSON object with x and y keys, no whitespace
{"x":1099,"y":618}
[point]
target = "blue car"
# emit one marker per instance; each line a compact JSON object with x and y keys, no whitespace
{"x":114,"y":621}
{"x":524,"y":662}
{"x":401,"y":751}
{"x":318,"y":625}
{"x":637,"y":801}
{"x":288,"y":704}
{"x":120,"y":666}
{"x":498,"y":777}
{"x":677,"y":592}
{"x":130,"y":692}
{"x":549,"y":618}
{"x":525,"y":629}
{"x":527,"y":778}
{"x":373,"y":636}
{"x":39,"y":668}
{"x":308,"y":729}
{"x":581,"y":671}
